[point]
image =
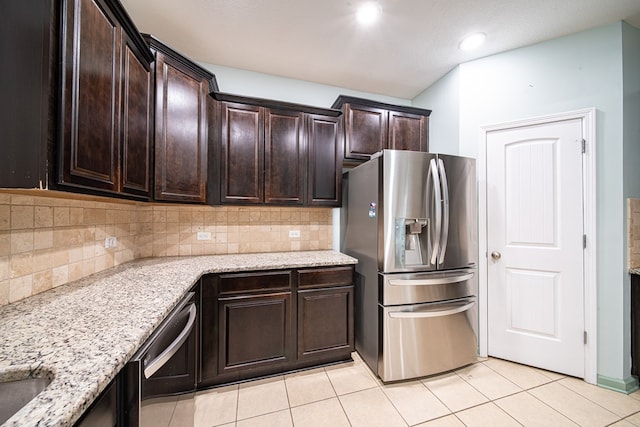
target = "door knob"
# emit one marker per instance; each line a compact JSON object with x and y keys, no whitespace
{"x":496,"y":255}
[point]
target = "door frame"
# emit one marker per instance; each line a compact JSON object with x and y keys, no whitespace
{"x":588,"y":118}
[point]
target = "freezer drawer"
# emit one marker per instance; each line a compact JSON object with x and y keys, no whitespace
{"x":426,"y":339}
{"x":415,"y":288}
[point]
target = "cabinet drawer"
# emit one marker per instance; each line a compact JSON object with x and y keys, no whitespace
{"x":261,"y":281}
{"x":323,"y":277}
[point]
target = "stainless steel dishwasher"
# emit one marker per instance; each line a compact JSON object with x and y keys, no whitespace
{"x":159,"y":381}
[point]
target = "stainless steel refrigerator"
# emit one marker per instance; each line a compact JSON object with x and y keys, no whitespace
{"x":410,"y":218}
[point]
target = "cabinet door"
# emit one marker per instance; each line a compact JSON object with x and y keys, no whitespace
{"x":325,"y":149}
{"x":284,"y":158}
{"x":180,"y":133}
{"x":325,"y":322}
{"x":408,"y":131}
{"x":366,"y":131}
{"x":89,"y":154}
{"x":242,"y":153}
{"x":255,"y":331}
{"x":136,"y":123}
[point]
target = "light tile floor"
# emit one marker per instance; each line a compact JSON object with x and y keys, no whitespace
{"x":491,"y":392}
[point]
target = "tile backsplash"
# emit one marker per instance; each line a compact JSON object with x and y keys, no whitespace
{"x":48,"y":239}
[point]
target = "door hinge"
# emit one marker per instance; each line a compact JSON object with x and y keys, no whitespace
{"x":584,"y":241}
{"x":584,"y":336}
{"x":584,"y":146}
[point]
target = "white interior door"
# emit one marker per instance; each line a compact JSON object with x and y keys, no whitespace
{"x":535,"y":246}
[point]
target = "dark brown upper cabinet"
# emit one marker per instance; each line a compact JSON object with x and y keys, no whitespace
{"x":325,"y":137}
{"x":372,"y":126}
{"x":275,"y":153}
{"x":28,"y":78}
{"x":182,"y":110}
{"x":105,"y":111}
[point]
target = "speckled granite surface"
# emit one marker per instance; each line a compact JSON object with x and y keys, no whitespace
{"x":634,"y":271}
{"x":81,"y":334}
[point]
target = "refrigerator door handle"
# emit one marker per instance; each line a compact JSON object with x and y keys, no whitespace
{"x":433,"y":170}
{"x":432,"y":313}
{"x":429,"y":282}
{"x":445,"y":212}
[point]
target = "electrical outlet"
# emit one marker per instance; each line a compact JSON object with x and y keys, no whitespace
{"x":293,"y":234}
{"x":110,"y":242}
{"x":203,"y":235}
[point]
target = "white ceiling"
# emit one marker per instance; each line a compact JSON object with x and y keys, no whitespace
{"x":413,"y":45}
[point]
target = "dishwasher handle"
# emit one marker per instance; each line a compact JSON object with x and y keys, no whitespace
{"x":154,"y":365}
{"x":431,"y":313}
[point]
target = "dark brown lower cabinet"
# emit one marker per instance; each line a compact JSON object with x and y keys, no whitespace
{"x":268,"y":322}
{"x":325,"y":322}
{"x":255,"y":331}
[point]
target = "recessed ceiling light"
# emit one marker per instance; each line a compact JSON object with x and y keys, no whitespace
{"x":472,"y":41}
{"x":368,"y":13}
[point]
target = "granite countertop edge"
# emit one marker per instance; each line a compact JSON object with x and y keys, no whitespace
{"x":81,"y":334}
{"x":635,"y":271}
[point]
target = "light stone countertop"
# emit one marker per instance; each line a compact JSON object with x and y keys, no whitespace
{"x":81,"y":334}
{"x":635,"y":271}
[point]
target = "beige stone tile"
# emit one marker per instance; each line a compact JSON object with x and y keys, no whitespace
{"x":488,"y":381}
{"x":634,"y":419}
{"x":324,"y":413}
{"x":275,"y":419}
{"x":308,"y":386}
{"x":618,"y":403}
{"x":486,"y":415}
{"x":5,"y":217}
{"x":60,"y":216}
{"x":21,"y":241}
{"x":448,"y":421}
{"x":369,"y":408}
{"x":42,"y":260}
{"x":4,"y":292}
{"x":349,"y":377}
{"x":75,"y":254}
{"x":622,"y":423}
{"x":454,"y":392}
{"x":59,"y":257}
{"x":22,"y":217}
{"x":216,"y":406}
{"x":20,"y":288}
{"x":5,"y":243}
{"x":43,"y":239}
{"x":75,"y":271}
{"x":574,"y":406}
{"x":20,"y":265}
{"x":76,"y":216}
{"x":523,"y":376}
{"x":415,"y":402}
{"x":43,"y":216}
{"x":262,"y":397}
{"x":4,"y":268}
{"x":59,"y":275}
{"x":42,"y":281}
{"x":530,"y":411}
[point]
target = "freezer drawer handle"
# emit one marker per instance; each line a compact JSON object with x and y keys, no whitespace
{"x":157,"y":363}
{"x":428,"y":282}
{"x":430,"y":313}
